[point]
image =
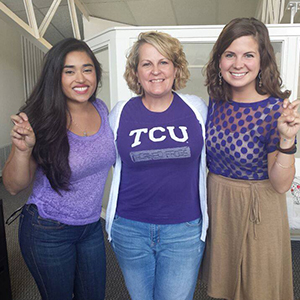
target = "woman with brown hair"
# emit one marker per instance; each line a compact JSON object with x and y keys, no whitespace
{"x":250,"y":154}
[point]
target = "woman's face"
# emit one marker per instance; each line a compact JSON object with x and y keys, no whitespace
{"x":78,"y":77}
{"x":155,"y":72}
{"x":240,"y":63}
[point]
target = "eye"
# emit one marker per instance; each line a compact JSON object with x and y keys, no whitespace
{"x":164,"y":62}
{"x":229,"y":55}
{"x":249,"y":55}
{"x":69,"y":72}
{"x":88,"y":70}
{"x":145,"y":64}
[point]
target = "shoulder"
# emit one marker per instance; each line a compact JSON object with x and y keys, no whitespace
{"x":196,"y":103}
{"x":274,"y":106}
{"x":115,"y":113}
{"x":101,"y":105}
{"x":131,"y":105}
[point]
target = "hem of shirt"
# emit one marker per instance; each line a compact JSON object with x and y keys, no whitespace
{"x":159,"y":222}
{"x":65,"y":221}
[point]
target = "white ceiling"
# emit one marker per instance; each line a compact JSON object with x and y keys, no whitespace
{"x":142,"y":13}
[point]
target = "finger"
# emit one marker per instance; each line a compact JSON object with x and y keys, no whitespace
{"x":23,"y":130}
{"x":23,"y":116}
{"x":15,"y":135}
{"x":285,"y":103}
{"x":16,"y":119}
{"x":294,"y":105}
{"x":294,"y":122}
{"x":290,"y":121}
{"x":287,"y":111}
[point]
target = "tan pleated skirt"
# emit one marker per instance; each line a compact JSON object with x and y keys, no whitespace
{"x":248,"y":250}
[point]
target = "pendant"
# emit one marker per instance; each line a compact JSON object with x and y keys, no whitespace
{"x":84,"y":133}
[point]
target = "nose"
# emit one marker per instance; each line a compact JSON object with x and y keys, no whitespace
{"x":238,"y":63}
{"x":155,"y":70}
{"x":80,"y":77}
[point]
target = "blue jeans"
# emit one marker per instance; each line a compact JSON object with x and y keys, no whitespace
{"x":158,"y":262}
{"x":67,"y":262}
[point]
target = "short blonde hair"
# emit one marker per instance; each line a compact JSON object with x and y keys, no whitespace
{"x":165,"y":44}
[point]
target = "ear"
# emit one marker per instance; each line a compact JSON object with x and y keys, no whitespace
{"x":220,"y":62}
{"x":137,"y":76}
{"x":175,"y":73}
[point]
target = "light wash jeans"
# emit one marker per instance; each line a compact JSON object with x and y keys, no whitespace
{"x":158,"y":262}
{"x":67,"y":262}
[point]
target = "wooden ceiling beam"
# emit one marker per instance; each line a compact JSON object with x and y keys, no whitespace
{"x":24,"y":26}
{"x":83,"y":9}
{"x":31,"y":17}
{"x":49,"y":16}
{"x":74,"y":20}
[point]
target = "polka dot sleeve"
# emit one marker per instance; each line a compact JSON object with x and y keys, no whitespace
{"x":240,"y":136}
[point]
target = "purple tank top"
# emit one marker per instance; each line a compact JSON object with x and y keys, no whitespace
{"x":160,"y":155}
{"x":240,"y":136}
{"x":90,"y":159}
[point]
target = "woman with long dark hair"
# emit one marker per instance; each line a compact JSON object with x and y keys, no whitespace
{"x":62,"y":143}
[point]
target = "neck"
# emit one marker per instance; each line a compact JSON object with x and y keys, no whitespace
{"x":159,"y":104}
{"x":79,"y":108}
{"x":246,"y":96}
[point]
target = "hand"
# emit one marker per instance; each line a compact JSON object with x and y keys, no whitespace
{"x":289,"y":122}
{"x":291,"y":105}
{"x":22,"y":134}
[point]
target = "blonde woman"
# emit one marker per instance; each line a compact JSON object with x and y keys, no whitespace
{"x":157,"y":218}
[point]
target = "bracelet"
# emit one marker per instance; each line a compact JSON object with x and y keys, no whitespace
{"x":291,"y":150}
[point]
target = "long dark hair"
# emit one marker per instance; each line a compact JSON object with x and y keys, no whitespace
{"x":270,"y":76}
{"x":47,"y":111}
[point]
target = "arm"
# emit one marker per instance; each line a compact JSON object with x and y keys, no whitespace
{"x":19,"y":170}
{"x":281,"y":166}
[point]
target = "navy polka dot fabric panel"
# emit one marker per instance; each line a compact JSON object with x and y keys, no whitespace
{"x":240,"y":136}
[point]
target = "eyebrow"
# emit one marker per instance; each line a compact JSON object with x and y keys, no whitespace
{"x":85,"y":65}
{"x":230,"y":51}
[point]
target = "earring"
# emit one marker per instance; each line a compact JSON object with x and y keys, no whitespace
{"x":220,"y":78}
{"x":259,"y":81}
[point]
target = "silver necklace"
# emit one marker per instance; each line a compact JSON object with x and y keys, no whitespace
{"x":83,"y":131}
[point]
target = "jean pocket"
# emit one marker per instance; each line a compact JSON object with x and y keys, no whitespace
{"x":116,"y":217}
{"x":194,"y":223}
{"x":49,"y":224}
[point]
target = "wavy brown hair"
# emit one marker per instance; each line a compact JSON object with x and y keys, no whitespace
{"x":270,"y":76}
{"x":165,"y":44}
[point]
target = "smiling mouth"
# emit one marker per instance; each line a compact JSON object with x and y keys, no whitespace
{"x":80,"y":89}
{"x":238,"y":74}
{"x":156,"y":80}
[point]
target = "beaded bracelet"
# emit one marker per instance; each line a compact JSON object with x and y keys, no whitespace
{"x":291,"y":150}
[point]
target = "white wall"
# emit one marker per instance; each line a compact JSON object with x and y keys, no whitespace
{"x":11,"y":78}
{"x":95,"y":25}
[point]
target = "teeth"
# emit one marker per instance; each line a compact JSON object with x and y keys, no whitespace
{"x":80,"y":89}
{"x":238,"y":74}
{"x":157,"y":80}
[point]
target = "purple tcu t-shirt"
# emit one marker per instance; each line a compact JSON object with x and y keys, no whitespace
{"x":90,"y":159}
{"x":239,"y":137}
{"x":160,"y":154}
